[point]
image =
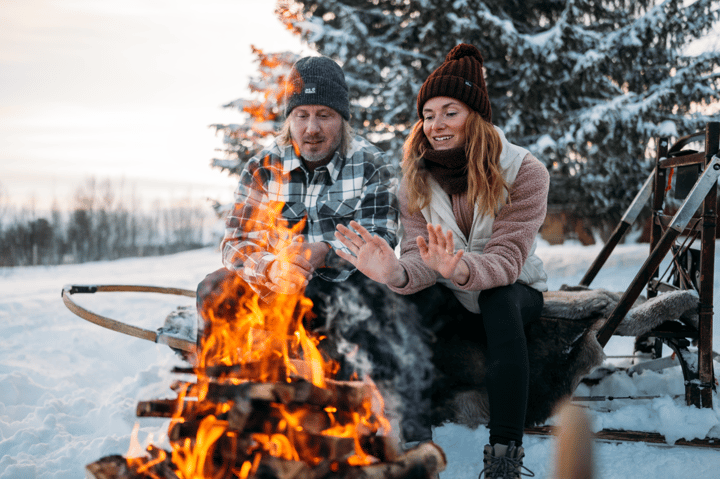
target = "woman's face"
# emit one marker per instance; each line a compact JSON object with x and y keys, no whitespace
{"x":444,"y":122}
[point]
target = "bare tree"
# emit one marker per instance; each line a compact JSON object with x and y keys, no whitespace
{"x":99,"y":226}
{"x":81,"y":226}
{"x":4,"y":204}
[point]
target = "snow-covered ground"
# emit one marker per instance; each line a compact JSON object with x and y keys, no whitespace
{"x":68,"y":389}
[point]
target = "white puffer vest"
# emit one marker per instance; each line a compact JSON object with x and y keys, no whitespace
{"x":440,"y":211}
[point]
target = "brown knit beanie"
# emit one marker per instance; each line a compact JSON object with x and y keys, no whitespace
{"x":459,"y":77}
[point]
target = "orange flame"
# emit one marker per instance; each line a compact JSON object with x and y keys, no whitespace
{"x":270,"y":344}
{"x":192,"y":458}
{"x":270,"y":336}
{"x":143,"y":463}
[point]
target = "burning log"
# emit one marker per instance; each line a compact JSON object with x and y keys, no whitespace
{"x":251,"y":370}
{"x":117,"y":467}
{"x":342,"y":394}
{"x":238,"y":415}
{"x":426,"y":458}
{"x":422,"y":462}
{"x":110,"y":467}
{"x":349,"y":395}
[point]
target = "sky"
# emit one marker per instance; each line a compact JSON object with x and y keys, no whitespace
{"x":124,"y":90}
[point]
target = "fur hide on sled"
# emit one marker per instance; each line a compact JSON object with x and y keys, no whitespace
{"x":381,"y":334}
{"x":373,"y":332}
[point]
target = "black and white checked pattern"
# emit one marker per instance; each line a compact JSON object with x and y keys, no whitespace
{"x":359,"y":186}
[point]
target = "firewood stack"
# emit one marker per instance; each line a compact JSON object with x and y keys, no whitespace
{"x":226,"y":426}
{"x":265,"y":403}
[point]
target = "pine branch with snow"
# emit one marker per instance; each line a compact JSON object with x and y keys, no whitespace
{"x":585,"y":85}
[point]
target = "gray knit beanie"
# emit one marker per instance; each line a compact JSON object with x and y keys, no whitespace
{"x":318,"y":81}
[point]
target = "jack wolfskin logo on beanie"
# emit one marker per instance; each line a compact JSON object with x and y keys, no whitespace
{"x":318,"y":81}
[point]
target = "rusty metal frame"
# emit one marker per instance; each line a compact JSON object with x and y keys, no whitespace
{"x":699,"y":380}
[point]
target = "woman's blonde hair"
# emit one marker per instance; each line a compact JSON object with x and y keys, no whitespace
{"x":483,"y":146}
{"x":285,"y":139}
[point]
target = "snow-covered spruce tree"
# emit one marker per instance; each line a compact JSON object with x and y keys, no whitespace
{"x":584,"y":84}
{"x":261,"y":115}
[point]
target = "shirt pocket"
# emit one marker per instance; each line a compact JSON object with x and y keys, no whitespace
{"x":294,"y":212}
{"x":338,"y":208}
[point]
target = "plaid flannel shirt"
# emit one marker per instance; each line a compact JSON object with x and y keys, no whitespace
{"x":358,"y":186}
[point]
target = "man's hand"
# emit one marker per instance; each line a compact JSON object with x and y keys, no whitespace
{"x":372,"y":255}
{"x":438,"y":253}
{"x":293,"y":266}
{"x":318,"y":252}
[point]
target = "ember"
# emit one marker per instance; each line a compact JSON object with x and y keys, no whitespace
{"x":265,"y":403}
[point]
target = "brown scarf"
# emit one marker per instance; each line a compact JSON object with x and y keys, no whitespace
{"x":449,"y":168}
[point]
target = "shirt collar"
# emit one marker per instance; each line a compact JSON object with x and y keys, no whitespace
{"x":335,"y":165}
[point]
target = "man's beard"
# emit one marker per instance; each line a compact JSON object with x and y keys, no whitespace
{"x":321,"y":157}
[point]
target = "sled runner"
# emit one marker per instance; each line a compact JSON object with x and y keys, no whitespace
{"x":163,"y":335}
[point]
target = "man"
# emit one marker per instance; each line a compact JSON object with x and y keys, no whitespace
{"x":318,"y":175}
{"x":323,"y":175}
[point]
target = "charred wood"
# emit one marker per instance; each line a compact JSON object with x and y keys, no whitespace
{"x":110,"y":467}
{"x":422,"y":462}
{"x":116,"y":467}
{"x":349,"y":395}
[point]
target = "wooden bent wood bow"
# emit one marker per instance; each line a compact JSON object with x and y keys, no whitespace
{"x":119,"y":326}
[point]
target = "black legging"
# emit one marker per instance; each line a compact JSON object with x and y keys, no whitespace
{"x":499,"y":329}
{"x":505,"y":311}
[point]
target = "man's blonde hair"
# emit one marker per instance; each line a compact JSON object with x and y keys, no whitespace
{"x":486,"y":184}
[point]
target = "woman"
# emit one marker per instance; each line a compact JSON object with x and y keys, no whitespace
{"x":471,"y":205}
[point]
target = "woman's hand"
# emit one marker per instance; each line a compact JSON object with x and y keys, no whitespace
{"x":438,"y":253}
{"x":372,"y":255}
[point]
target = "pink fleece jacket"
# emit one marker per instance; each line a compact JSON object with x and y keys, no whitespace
{"x":513,"y":234}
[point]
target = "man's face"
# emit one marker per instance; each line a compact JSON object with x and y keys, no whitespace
{"x":316,"y":130}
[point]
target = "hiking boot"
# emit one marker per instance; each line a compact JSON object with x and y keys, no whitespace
{"x":504,"y":462}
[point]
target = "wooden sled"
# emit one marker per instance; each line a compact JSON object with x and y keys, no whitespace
{"x":563,"y":344}
{"x":566,"y":348}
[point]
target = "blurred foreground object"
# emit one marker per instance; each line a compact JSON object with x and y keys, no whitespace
{"x":574,"y":444}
